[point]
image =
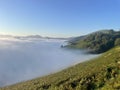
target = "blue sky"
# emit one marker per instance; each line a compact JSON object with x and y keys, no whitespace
{"x":62,"y":18}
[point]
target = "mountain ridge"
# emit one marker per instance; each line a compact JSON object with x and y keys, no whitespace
{"x":96,"y":42}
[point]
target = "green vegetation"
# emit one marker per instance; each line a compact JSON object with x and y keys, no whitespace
{"x":102,"y":73}
{"x":97,"y":42}
{"x":117,"y":42}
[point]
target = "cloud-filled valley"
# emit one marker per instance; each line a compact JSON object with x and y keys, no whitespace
{"x":22,"y":60}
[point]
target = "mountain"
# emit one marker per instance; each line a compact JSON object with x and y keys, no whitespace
{"x":31,"y":37}
{"x":96,"y":42}
{"x":34,"y":36}
{"x":101,"y":73}
{"x":6,"y":36}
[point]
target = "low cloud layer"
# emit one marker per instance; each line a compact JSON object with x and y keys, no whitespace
{"x":22,"y":60}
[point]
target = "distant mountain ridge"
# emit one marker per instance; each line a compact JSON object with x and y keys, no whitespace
{"x":109,"y":31}
{"x":96,"y":42}
{"x":30,"y":36}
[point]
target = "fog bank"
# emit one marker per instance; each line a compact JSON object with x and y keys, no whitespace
{"x":26,"y":59}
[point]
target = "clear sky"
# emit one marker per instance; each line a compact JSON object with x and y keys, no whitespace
{"x":60,"y":18}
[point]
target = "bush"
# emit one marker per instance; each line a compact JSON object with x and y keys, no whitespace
{"x":117,"y":42}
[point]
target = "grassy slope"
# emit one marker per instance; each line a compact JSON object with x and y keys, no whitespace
{"x":97,"y":42}
{"x":102,"y":73}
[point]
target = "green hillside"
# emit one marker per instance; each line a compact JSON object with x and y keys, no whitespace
{"x":97,"y":42}
{"x":102,"y":73}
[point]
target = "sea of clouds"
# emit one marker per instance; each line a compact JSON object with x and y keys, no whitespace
{"x":24,"y":59}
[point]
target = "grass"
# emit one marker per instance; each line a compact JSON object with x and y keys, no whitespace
{"x":102,"y":73}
